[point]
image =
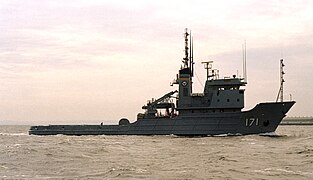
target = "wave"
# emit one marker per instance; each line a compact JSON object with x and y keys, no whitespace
{"x":271,"y":134}
{"x":13,"y":134}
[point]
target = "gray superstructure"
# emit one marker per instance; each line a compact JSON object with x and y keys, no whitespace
{"x":217,"y":110}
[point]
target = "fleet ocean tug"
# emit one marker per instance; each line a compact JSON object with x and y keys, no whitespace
{"x":218,"y":110}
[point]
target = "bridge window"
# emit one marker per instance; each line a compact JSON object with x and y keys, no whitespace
{"x":227,"y":100}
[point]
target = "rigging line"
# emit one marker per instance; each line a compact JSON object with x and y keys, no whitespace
{"x":199,"y":79}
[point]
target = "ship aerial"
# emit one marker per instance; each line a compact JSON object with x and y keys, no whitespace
{"x":217,"y":110}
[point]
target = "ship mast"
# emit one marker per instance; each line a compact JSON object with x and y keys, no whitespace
{"x":208,"y":67}
{"x":186,"y":58}
{"x":281,"y":89}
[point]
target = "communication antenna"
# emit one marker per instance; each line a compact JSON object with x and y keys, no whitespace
{"x":191,"y":63}
{"x":244,"y":57}
{"x":190,"y":60}
{"x":281,"y":89}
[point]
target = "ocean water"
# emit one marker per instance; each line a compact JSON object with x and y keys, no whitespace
{"x":289,"y":155}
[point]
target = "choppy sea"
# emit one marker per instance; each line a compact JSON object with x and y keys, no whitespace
{"x":288,"y":155}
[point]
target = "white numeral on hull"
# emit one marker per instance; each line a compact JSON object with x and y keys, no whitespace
{"x":251,"y":121}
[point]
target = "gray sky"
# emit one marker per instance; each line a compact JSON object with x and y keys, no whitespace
{"x":91,"y":61}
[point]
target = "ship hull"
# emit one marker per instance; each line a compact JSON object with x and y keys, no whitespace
{"x":263,"y":118}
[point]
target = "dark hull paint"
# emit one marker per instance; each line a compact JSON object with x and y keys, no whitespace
{"x":263,"y":118}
